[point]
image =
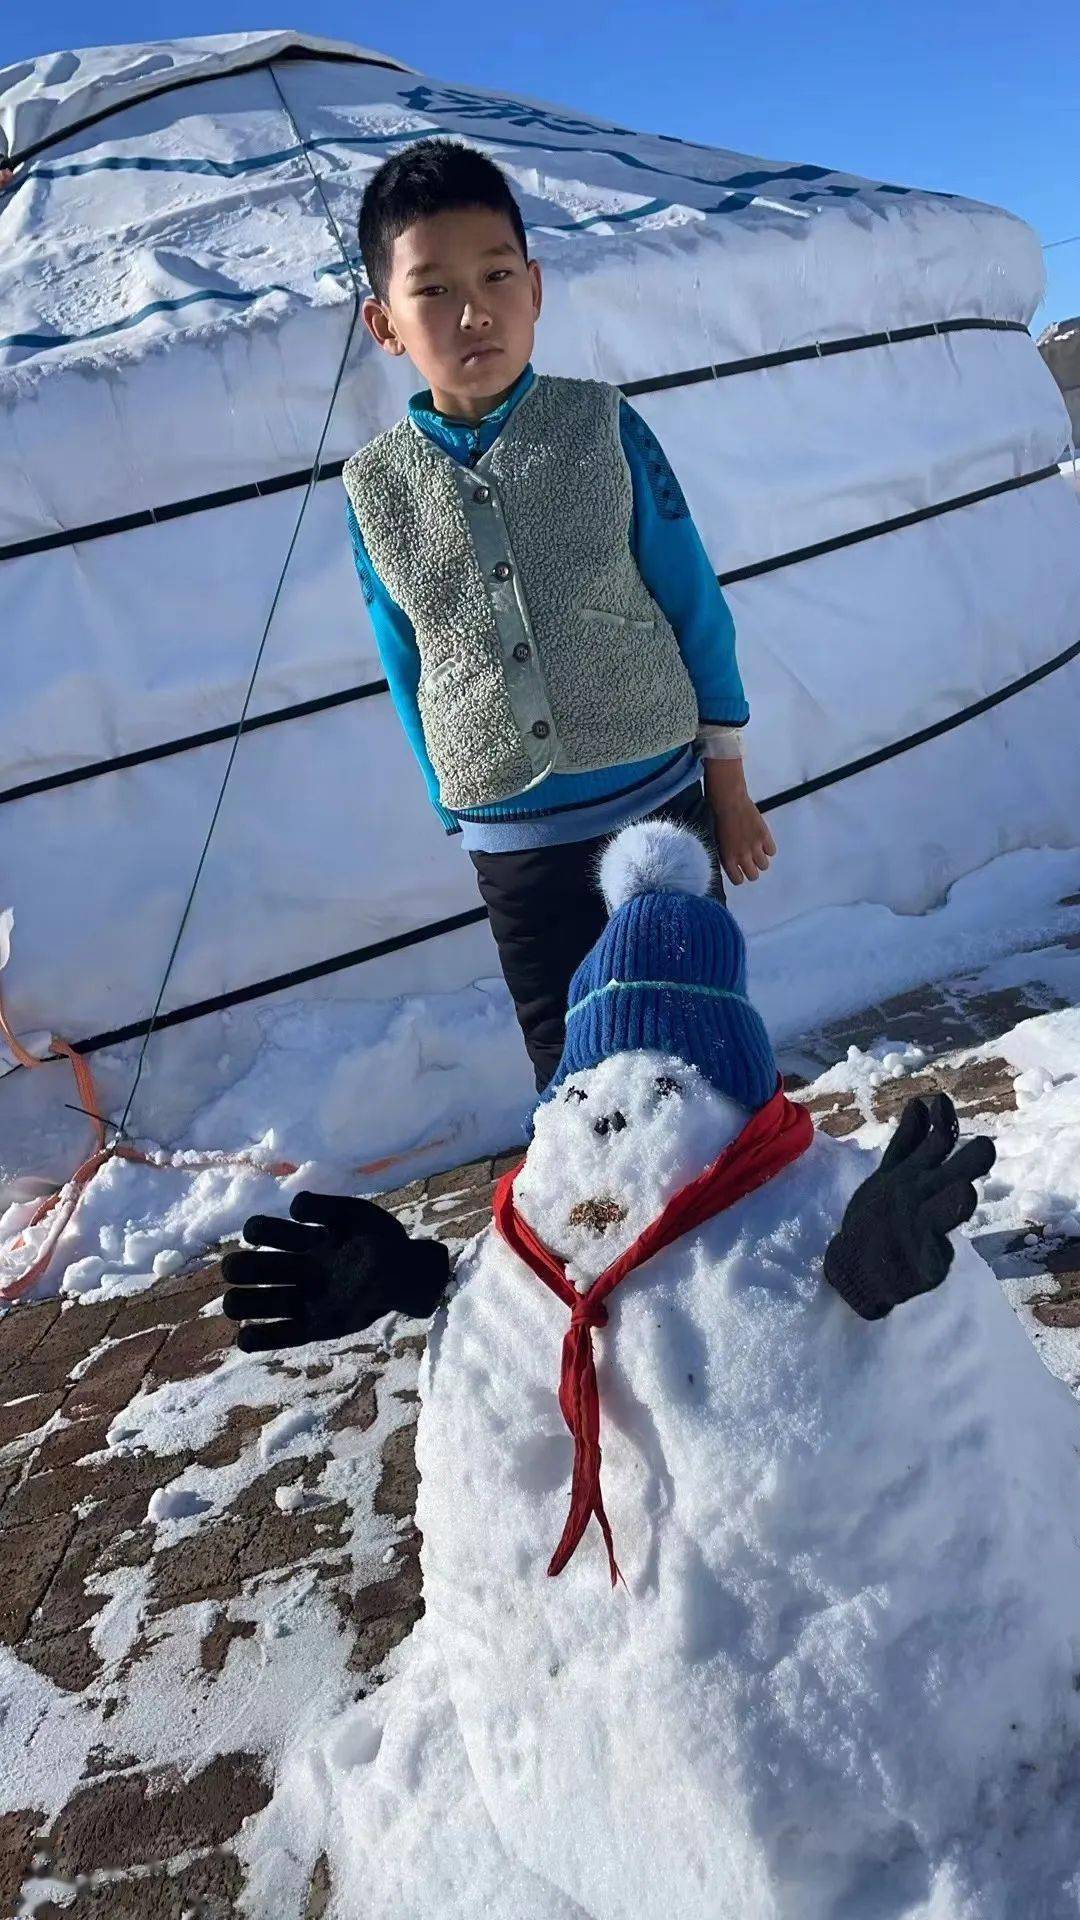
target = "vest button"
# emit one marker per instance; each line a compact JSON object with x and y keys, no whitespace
{"x":482,"y":495}
{"x":502,"y":570}
{"x":522,"y":650}
{"x":541,"y":729}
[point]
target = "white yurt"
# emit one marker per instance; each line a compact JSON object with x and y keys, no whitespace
{"x":840,"y":371}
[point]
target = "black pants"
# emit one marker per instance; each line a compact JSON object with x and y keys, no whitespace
{"x":546,"y":911}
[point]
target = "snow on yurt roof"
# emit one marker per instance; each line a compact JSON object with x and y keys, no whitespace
{"x":43,"y":99}
{"x":160,"y":172}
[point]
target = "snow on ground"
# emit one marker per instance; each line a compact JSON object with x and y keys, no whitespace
{"x":288,"y":1681}
{"x":332,"y":1088}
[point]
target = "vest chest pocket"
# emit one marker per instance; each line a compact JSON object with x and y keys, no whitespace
{"x":625,"y":693}
{"x":616,"y":621}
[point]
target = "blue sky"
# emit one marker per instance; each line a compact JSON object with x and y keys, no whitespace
{"x":977,"y":97}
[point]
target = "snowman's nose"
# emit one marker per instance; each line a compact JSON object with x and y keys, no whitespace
{"x":597,"y":1214}
{"x":610,"y":1123}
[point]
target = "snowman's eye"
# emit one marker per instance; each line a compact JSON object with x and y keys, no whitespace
{"x":575,"y":1093}
{"x":666,"y":1085}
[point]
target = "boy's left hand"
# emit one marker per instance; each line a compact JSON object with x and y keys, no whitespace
{"x":743,"y":840}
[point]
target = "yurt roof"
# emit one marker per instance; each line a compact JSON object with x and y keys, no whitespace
{"x":42,"y":100}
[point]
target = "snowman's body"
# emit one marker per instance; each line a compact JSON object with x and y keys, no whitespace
{"x":841,"y":1680}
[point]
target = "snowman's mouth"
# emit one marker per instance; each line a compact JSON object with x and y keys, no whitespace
{"x":597,"y":1214}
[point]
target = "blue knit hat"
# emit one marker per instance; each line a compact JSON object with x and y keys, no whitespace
{"x":668,"y":973}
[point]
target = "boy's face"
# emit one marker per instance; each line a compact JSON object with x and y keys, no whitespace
{"x":462,"y":303}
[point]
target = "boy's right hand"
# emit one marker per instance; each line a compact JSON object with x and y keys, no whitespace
{"x":338,"y":1264}
{"x":743,"y":840}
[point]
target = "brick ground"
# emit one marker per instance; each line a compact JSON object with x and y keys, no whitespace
{"x":68,"y":1511}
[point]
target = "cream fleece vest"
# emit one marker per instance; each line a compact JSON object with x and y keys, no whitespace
{"x":541,"y":648}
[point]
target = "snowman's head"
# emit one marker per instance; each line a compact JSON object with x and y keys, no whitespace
{"x":610,"y":1150}
{"x":665,"y":1055}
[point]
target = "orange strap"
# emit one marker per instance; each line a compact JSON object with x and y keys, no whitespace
{"x":64,"y":1202}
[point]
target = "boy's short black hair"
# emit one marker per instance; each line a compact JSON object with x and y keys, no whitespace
{"x":429,"y":177}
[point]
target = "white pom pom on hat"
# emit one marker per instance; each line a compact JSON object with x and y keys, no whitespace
{"x":653,"y":856}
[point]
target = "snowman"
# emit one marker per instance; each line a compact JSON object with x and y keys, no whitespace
{"x":750,"y":1548}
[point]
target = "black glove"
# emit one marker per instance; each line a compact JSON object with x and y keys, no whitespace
{"x":893,"y":1241}
{"x":351,"y":1263}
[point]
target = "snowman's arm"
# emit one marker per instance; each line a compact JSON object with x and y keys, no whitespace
{"x":337,"y":1264}
{"x":893,"y":1242}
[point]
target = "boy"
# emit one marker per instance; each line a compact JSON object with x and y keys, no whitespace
{"x":556,"y":644}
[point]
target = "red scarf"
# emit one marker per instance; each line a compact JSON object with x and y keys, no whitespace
{"x":776,"y":1135}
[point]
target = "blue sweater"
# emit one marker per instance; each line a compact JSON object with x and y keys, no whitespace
{"x":674,"y":566}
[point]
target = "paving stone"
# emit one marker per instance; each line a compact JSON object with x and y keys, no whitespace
{"x":979,"y":1086}
{"x":202,"y":1567}
{"x":409,"y":1343}
{"x":74,"y":1332}
{"x":134,"y":1818}
{"x":67,"y":1659}
{"x":1062,"y":1259}
{"x":214,"y":1650}
{"x":241,"y":1424}
{"x":156,"y":1308}
{"x":399,"y":1481}
{"x":21,"y":1328}
{"x":114,"y":1379}
{"x":380,"y":1616}
{"x":23,"y":1416}
{"x":214,"y":1563}
{"x":72,"y":1442}
{"x":256,"y":1500}
{"x":64,"y":1488}
{"x":94,"y":1547}
{"x":859,"y":1031}
{"x":132,"y":1546}
{"x":461,"y":1228}
{"x":17,"y":1850}
{"x":994,"y":1013}
{"x":918,"y":1000}
{"x":829,"y":1102}
{"x":402,"y":1197}
{"x":29,"y":1556}
{"x":207,"y":1889}
{"x":194,"y":1347}
{"x":359,"y":1409}
{"x":285,"y":1539}
{"x":1057,"y":1311}
{"x":201,"y":1273}
{"x":477,"y":1173}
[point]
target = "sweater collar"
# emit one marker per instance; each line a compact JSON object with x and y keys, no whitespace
{"x":464,"y":439}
